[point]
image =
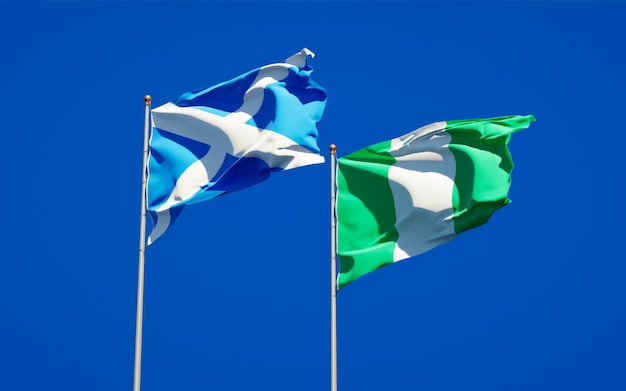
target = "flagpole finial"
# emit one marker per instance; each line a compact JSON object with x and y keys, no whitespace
{"x":333,"y":149}
{"x":147,"y":99}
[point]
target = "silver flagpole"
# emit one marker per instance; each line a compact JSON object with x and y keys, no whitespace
{"x":142,"y":246}
{"x":333,"y":272}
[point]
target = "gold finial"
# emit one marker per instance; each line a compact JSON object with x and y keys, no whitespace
{"x":147,"y":99}
{"x":333,"y":149}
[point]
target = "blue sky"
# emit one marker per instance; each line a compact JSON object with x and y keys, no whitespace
{"x":237,"y":290}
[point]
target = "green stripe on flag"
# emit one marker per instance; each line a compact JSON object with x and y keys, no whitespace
{"x":483,"y":167}
{"x":366,"y":211}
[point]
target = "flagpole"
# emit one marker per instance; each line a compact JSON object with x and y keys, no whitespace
{"x":142,"y":247}
{"x":333,"y":272}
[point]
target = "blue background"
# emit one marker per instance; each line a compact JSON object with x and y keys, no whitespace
{"x":237,"y":291}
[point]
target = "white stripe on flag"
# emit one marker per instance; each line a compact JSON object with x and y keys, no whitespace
{"x":423,"y":212}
